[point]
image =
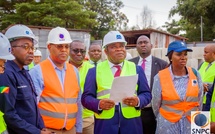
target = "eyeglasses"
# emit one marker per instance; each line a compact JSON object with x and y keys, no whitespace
{"x":76,"y":51}
{"x":61,"y":46}
{"x":27,"y":47}
{"x":141,"y":42}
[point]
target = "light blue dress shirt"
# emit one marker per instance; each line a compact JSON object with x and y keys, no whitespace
{"x":37,"y":77}
{"x":183,"y":126}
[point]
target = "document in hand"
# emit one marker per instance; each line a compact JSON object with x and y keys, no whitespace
{"x":123,"y":86}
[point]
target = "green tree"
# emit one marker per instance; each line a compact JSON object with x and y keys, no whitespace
{"x":7,"y":6}
{"x":109,"y":16}
{"x":65,"y":13}
{"x":172,"y":27}
{"x":191,"y":12}
{"x":100,"y":16}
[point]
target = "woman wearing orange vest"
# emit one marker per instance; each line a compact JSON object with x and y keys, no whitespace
{"x":177,"y":90}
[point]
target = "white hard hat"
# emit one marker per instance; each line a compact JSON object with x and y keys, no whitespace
{"x":20,"y":31}
{"x":59,"y":35}
{"x":113,"y":37}
{"x":37,"y":53}
{"x":5,"y":48}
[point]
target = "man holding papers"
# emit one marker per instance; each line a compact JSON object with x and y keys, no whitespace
{"x":112,"y":116}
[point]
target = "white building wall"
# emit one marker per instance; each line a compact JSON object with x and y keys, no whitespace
{"x":158,"y":40}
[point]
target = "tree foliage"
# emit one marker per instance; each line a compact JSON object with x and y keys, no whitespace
{"x":109,"y":16}
{"x":172,"y":27}
{"x":191,"y":12}
{"x":100,"y":16}
{"x":52,"y":13}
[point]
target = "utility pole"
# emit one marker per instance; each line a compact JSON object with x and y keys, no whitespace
{"x":201,"y":30}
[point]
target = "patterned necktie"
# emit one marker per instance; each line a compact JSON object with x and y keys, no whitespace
{"x":143,"y":64}
{"x":118,"y":71}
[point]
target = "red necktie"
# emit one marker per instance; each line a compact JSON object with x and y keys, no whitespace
{"x":143,"y":64}
{"x":118,"y":71}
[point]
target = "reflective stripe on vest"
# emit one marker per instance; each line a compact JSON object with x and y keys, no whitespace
{"x":58,"y":100}
{"x":104,"y":79}
{"x":58,"y":105}
{"x":57,"y":115}
{"x":3,"y":126}
{"x":172,"y":107}
{"x":207,"y":76}
{"x":103,"y":93}
{"x":83,"y":72}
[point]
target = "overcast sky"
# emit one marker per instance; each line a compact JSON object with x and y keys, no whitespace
{"x":160,"y":10}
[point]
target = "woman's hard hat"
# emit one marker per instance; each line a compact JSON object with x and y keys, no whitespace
{"x":113,"y":37}
{"x":20,"y":31}
{"x":59,"y":35}
{"x":37,"y":53}
{"x":5,"y":48}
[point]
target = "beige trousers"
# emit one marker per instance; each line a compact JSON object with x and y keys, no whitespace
{"x":88,"y":125}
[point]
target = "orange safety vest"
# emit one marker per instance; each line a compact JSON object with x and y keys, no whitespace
{"x":172,"y":107}
{"x":55,"y":105}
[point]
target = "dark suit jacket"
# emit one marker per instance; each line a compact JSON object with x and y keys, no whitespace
{"x":157,"y":65}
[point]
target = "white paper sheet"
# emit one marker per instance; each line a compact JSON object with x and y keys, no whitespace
{"x":123,"y":86}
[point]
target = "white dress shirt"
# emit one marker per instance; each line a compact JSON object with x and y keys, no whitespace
{"x":148,"y":67}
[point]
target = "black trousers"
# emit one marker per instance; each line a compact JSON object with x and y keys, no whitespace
{"x":148,"y":121}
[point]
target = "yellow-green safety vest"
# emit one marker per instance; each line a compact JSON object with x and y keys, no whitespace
{"x":83,"y":73}
{"x":3,"y":126}
{"x":207,"y":76}
{"x":104,"y":79}
{"x":212,"y":109}
{"x":30,"y":66}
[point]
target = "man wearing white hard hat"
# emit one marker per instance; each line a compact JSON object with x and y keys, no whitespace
{"x":37,"y":58}
{"x":115,"y":117}
{"x":18,"y":102}
{"x":57,"y":84}
{"x":5,"y":54}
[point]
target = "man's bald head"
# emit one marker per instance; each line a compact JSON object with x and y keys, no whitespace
{"x":143,"y":37}
{"x":211,"y":47}
{"x":209,"y":53}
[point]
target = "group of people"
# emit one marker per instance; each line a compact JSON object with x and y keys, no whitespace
{"x":68,"y":97}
